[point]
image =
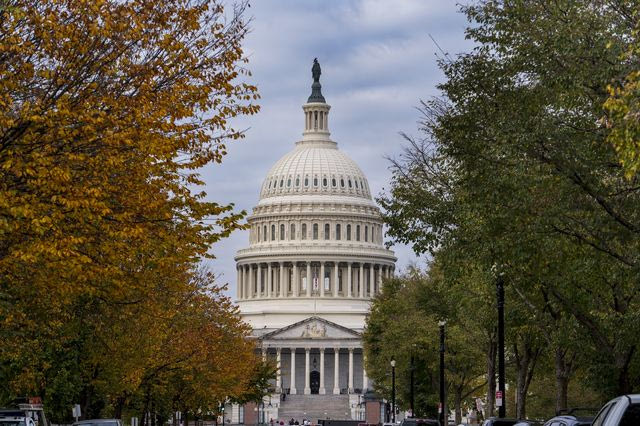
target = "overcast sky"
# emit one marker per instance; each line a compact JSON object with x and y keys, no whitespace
{"x":378,"y":62}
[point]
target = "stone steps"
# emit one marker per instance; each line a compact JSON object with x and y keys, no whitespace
{"x":314,"y":407}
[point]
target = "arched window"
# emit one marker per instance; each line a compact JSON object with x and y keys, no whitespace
{"x":288,"y":182}
{"x":327,"y":231}
{"x":273,"y":232}
{"x":324,"y":182}
{"x":348,"y":232}
{"x":349,"y":183}
{"x":338,"y":236}
{"x":269,"y":184}
{"x":258,"y":233}
{"x":315,"y":231}
{"x":282,"y":232}
{"x":315,"y":181}
{"x":306,"y":181}
{"x":304,"y":231}
{"x":366,"y":233}
{"x":356,"y":181}
{"x":292,"y":232}
{"x":342,"y":183}
{"x":357,"y":232}
{"x":281,"y":182}
{"x":264,"y":233}
{"x":333,"y":182}
{"x":297,"y":181}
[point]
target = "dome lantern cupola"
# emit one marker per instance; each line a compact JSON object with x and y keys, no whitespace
{"x":316,"y":110}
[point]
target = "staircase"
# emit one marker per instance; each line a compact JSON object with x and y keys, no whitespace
{"x":314,"y":407}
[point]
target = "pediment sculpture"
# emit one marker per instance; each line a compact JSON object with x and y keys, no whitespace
{"x":314,"y":330}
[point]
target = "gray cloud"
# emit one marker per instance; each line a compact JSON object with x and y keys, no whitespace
{"x":377,"y":61}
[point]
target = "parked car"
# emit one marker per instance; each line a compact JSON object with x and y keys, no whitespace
{"x":569,"y":420}
{"x":419,"y":422}
{"x":621,"y":411}
{"x":496,"y":421}
{"x":528,"y":423}
{"x":98,"y":422}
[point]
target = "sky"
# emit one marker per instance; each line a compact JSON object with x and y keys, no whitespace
{"x":378,"y":62}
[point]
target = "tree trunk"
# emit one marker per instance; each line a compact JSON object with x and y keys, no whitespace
{"x":117,"y":412}
{"x":491,"y":376}
{"x":458,"y":404}
{"x":564,"y":370}
{"x":526,"y":358}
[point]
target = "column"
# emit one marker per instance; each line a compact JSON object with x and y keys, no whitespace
{"x":372,"y":279}
{"x":296,"y":280}
{"x":380,"y":279}
{"x":350,"y":370}
{"x":321,"y":280}
{"x":239,"y":282}
{"x":269,"y":280}
{"x":336,"y":369}
{"x":283,"y":288}
{"x":365,"y":379}
{"x":336,"y":278}
{"x":361,"y":280}
{"x":349,"y":273}
{"x":307,"y":388}
{"x":251,"y":282}
{"x":322,"y":390}
{"x":278,"y":372}
{"x":309,"y":280}
{"x":292,"y":386}
{"x":259,"y":281}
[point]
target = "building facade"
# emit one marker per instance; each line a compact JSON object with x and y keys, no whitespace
{"x":315,"y":259}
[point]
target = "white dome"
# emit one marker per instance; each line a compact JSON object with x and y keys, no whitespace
{"x":315,"y":168}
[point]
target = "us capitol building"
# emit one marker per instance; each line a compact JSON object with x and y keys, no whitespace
{"x":315,"y":260}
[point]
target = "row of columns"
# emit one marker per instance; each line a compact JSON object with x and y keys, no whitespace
{"x":307,"y":371}
{"x":250,"y":284}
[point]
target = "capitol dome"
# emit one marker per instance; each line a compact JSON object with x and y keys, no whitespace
{"x":315,"y":167}
{"x":316,"y":243}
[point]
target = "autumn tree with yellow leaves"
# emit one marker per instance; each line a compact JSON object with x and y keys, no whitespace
{"x":108,"y":109}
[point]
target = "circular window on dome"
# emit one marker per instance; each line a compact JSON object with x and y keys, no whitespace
{"x":324,"y":182}
{"x":306,"y":181}
{"x":315,"y":181}
{"x":342,"y":183}
{"x":349,"y":183}
{"x":298,"y":181}
{"x":288,"y":182}
{"x":333,"y":182}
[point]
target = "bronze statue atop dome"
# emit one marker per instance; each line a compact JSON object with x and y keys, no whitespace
{"x":316,"y":88}
{"x":316,"y":71}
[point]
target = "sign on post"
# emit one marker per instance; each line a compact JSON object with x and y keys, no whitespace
{"x":498,"y":398}
{"x":75,"y":411}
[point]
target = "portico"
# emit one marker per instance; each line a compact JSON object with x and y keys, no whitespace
{"x":316,"y":356}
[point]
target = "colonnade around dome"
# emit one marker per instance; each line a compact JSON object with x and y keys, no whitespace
{"x":287,"y":279}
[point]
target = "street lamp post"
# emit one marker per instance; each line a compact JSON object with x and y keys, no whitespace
{"x":393,"y":390}
{"x":501,"y":387}
{"x":443,"y":411}
{"x":411,"y":399}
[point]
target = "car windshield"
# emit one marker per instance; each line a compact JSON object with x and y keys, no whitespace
{"x":11,"y":423}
